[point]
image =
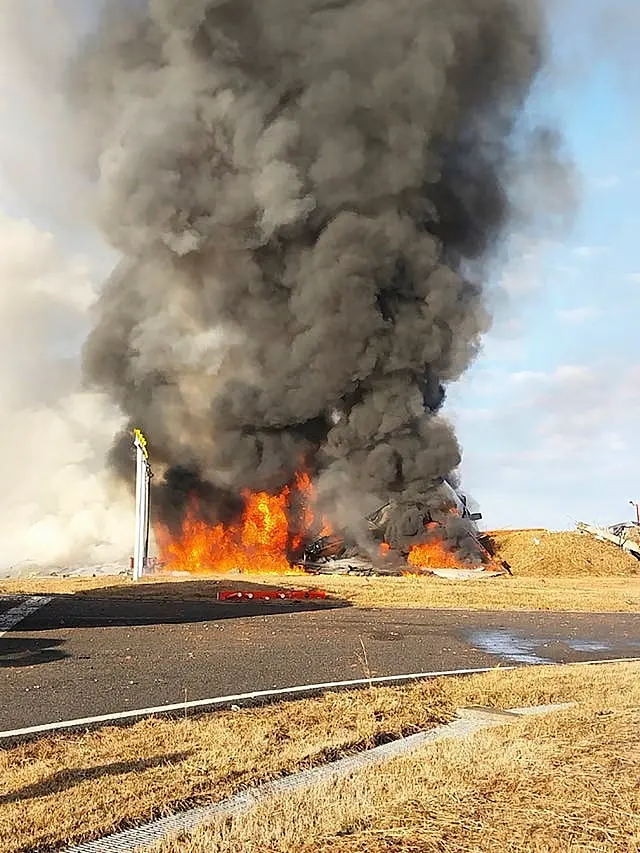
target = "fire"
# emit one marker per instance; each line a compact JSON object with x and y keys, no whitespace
{"x":433,"y":554}
{"x":260,"y":542}
{"x":271,"y":534}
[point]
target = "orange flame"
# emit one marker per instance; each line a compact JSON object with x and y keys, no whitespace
{"x":434,"y":554}
{"x":258,"y":543}
{"x":271,"y":529}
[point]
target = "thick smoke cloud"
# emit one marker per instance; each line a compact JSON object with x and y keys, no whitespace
{"x":299,"y":189}
{"x":58,"y":505}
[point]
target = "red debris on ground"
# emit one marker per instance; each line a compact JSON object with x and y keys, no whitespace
{"x":271,"y":594}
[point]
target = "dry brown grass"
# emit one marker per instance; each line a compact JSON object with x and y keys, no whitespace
{"x":564,"y":783}
{"x":583,"y":594}
{"x":543,"y":553}
{"x":552,"y":571}
{"x":504,"y":593}
{"x":97,"y":782}
{"x":102,"y":780}
{"x":60,"y":585}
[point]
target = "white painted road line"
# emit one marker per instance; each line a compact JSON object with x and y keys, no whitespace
{"x":282,"y":694}
{"x":17,"y":614}
{"x":227,"y":701}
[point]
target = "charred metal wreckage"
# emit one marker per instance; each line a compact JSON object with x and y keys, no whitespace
{"x":336,"y":554}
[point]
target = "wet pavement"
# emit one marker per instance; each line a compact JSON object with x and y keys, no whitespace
{"x":517,"y":646}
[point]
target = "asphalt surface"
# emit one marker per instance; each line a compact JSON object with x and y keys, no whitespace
{"x":82,"y":656}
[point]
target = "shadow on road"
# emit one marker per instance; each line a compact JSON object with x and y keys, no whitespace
{"x":162,"y":604}
{"x":69,"y":778}
{"x":29,"y":651}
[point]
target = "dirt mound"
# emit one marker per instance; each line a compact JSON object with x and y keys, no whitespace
{"x":546,"y":553}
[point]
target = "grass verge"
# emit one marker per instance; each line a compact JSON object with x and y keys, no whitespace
{"x":563,"y":783}
{"x":580,"y":594}
{"x":97,"y":782}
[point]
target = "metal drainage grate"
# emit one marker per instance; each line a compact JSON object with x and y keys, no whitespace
{"x":146,"y":836}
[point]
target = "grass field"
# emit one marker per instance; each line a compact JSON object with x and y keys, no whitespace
{"x":584,"y":594}
{"x":563,"y":783}
{"x":551,"y":571}
{"x":99,"y":781}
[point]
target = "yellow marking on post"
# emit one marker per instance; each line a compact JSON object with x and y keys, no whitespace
{"x":142,"y":441}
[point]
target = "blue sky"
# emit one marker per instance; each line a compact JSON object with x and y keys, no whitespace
{"x":549,"y":415}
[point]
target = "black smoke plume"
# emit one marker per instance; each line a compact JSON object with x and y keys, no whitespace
{"x":299,"y":189}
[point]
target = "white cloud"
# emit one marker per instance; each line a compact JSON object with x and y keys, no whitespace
{"x":577,"y":412}
{"x":575,"y":316}
{"x":588,"y":252}
{"x":572,"y":373}
{"x":606,"y":182}
{"x":504,"y":348}
{"x":472,"y":416}
{"x":633,"y":277}
{"x":38,"y":137}
{"x":522,"y":272}
{"x":566,"y":271}
{"x":525,"y":377}
{"x":560,"y":448}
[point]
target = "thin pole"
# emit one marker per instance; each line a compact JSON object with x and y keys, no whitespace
{"x":146,"y":510}
{"x":141,"y":540}
{"x":138,"y":545}
{"x":637,"y":506}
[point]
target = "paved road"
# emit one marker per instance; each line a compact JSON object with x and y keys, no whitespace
{"x":99,"y":654}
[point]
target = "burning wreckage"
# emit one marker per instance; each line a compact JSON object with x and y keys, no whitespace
{"x":285,"y":534}
{"x":335,"y":554}
{"x":306,"y":196}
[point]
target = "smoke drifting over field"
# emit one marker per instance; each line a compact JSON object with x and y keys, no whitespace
{"x":58,"y":506}
{"x":297,"y":188}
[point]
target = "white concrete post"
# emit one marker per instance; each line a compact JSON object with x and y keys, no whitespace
{"x":143,"y":478}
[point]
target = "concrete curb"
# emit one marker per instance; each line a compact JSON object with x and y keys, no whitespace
{"x":245,"y":700}
{"x":242,"y":700}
